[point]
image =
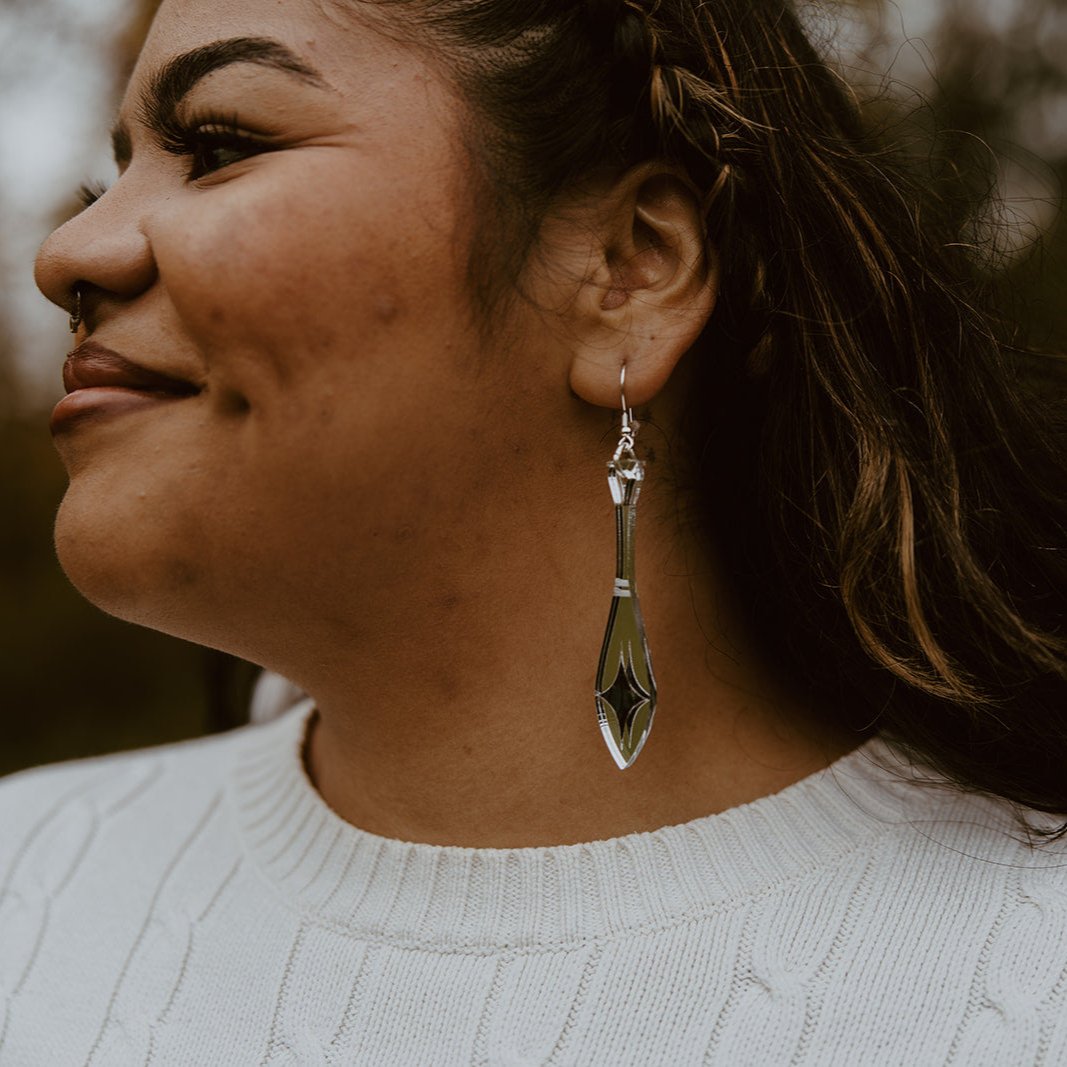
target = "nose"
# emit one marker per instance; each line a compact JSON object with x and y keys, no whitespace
{"x":104,"y":251}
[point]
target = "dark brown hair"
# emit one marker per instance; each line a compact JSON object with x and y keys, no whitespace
{"x":887,"y":495}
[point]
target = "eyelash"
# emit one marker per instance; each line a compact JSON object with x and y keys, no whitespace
{"x":90,"y":192}
{"x":209,"y":133}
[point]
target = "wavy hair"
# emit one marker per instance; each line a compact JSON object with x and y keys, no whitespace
{"x":894,"y":493}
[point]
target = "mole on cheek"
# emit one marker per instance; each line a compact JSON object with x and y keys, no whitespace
{"x":181,"y":573}
{"x":386,"y":308}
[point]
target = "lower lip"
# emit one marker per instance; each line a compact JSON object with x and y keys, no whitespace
{"x":101,"y":401}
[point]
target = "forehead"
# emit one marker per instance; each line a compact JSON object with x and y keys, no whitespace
{"x":319,"y":26}
{"x":352,"y":59}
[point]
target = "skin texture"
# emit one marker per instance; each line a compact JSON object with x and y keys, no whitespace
{"x":407,"y":516}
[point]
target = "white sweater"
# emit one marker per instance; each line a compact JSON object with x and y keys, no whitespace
{"x":198,"y":904}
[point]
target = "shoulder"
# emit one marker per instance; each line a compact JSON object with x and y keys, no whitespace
{"x":195,"y":756}
{"x":107,"y":866}
{"x":936,"y":825}
{"x":964,"y":871}
{"x":53,"y":811}
{"x":951,"y":838}
{"x":995,"y":903}
{"x":958,"y":867}
{"x":968,"y":849}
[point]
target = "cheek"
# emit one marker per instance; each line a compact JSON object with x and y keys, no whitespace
{"x":343,"y":329}
{"x":327,"y":285}
{"x":215,"y":544}
{"x":185,"y":519}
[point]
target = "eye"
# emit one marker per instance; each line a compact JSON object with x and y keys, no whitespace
{"x":211,"y":143}
{"x":212,"y":149}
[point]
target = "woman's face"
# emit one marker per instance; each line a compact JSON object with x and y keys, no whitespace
{"x":306,"y":272}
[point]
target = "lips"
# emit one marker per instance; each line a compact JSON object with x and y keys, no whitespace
{"x":101,"y":385}
{"x":91,"y":366}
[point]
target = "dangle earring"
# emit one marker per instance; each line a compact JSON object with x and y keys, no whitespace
{"x":625,"y":687}
{"x":76,"y":314}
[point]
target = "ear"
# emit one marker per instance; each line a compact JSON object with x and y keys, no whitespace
{"x":650,"y":290}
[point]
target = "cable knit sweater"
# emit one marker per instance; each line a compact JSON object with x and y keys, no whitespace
{"x":199,"y":904}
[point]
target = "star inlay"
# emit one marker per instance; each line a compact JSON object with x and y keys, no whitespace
{"x":625,"y":695}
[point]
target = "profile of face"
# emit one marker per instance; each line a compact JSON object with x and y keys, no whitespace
{"x":289,"y":235}
{"x":286,"y":234}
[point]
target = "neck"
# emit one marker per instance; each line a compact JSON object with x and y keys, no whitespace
{"x":474,"y":722}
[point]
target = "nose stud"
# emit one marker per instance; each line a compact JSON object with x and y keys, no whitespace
{"x":76,"y":314}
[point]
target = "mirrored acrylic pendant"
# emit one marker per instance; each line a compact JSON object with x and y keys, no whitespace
{"x":625,"y":686}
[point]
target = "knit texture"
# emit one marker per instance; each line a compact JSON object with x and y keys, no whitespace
{"x":199,"y":904}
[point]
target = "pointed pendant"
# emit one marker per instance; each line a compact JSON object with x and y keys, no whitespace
{"x":625,"y":687}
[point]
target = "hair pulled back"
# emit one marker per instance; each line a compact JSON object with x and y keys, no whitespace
{"x":887,"y":497}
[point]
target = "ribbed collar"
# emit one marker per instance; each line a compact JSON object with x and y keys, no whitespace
{"x":481,"y":898}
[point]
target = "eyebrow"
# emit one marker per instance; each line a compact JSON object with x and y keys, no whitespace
{"x":169,"y":85}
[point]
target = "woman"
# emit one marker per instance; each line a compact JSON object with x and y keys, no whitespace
{"x":358,"y":328}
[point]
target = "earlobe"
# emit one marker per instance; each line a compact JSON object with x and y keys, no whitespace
{"x":660,"y":289}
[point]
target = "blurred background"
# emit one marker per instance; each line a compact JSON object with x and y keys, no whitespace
{"x":977,"y":86}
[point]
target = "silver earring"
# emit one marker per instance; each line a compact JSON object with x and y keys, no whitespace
{"x":625,"y":686}
{"x":76,"y":314}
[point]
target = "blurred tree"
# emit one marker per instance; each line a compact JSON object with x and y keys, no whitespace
{"x":991,"y":124}
{"x":9,"y":398}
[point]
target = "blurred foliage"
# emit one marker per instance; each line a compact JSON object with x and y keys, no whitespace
{"x":74,"y":681}
{"x":993,"y":127}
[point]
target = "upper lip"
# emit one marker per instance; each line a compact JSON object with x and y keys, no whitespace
{"x":91,"y":365}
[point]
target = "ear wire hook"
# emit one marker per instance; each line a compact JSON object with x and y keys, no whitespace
{"x":76,"y":314}
{"x":629,"y":427}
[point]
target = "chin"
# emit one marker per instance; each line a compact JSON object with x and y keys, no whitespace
{"x":120,"y":562}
